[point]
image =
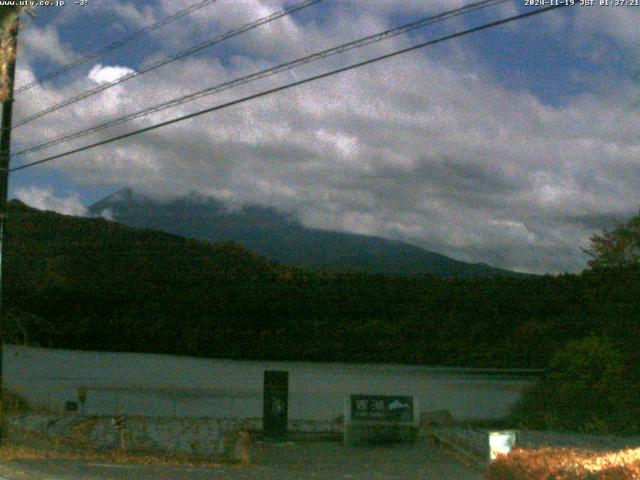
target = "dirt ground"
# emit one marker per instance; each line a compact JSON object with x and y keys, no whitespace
{"x":320,"y":460}
{"x":325,"y":460}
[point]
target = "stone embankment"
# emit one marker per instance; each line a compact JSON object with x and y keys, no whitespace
{"x":202,"y":437}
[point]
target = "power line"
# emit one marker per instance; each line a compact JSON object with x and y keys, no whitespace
{"x":291,"y":85}
{"x":116,"y":44}
{"x":371,"y":39}
{"x":166,"y":61}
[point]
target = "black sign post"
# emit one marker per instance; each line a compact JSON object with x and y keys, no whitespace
{"x":275,"y":416}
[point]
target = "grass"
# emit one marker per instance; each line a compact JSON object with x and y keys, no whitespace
{"x":21,"y":445}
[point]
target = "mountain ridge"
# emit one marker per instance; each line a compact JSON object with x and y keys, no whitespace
{"x":282,"y":238}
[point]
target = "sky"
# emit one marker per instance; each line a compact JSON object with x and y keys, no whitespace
{"x":510,"y":146}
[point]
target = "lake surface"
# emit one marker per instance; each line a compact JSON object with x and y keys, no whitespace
{"x":165,"y":385}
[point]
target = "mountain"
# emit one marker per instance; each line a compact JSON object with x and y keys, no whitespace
{"x":47,"y":251}
{"x":280,"y":237}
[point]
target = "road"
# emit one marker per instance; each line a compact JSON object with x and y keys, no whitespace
{"x":298,"y":461}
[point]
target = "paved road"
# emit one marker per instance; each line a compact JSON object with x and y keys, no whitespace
{"x":303,"y":461}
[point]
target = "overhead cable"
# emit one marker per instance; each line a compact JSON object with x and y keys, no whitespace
{"x":371,"y":39}
{"x":118,"y":43}
{"x":189,"y":51}
{"x":292,"y":84}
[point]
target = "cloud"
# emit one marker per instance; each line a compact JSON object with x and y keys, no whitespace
{"x":45,"y":199}
{"x":107,"y":214}
{"x":44,"y":43}
{"x":106,"y":74}
{"x":134,"y":13}
{"x":619,"y":23}
{"x":426,"y":148}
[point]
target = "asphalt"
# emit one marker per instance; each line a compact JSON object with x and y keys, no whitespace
{"x":290,"y":461}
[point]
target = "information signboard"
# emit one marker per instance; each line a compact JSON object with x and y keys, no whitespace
{"x":382,"y":408}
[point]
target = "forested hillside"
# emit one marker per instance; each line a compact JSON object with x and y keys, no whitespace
{"x":87,"y":283}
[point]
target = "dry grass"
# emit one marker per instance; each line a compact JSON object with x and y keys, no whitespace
{"x":31,"y":446}
{"x":566,"y":464}
{"x":22,"y":452}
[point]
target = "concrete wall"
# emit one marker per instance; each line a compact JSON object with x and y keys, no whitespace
{"x":164,"y":386}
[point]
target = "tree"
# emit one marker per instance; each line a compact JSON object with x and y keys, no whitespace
{"x":8,"y":14}
{"x":8,"y":22}
{"x":583,"y":389}
{"x":9,"y":19}
{"x":616,"y":248}
{"x":24,"y":328}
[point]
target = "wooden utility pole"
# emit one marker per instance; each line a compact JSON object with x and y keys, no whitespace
{"x":9,"y":47}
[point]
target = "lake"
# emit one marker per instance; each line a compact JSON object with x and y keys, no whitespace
{"x":166,"y":385}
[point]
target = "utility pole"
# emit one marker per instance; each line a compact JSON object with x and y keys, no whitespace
{"x":5,"y":147}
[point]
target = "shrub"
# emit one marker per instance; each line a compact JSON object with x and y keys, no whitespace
{"x":583,"y":389}
{"x":565,"y":464}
